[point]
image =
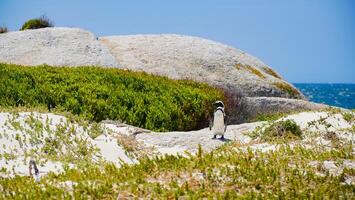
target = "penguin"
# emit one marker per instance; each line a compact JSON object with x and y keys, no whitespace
{"x":218,"y":123}
{"x":32,"y":164}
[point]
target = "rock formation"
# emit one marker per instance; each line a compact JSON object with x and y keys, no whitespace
{"x":186,"y":57}
{"x":175,"y":56}
{"x":54,"y":46}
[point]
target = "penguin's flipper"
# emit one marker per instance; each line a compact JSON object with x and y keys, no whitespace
{"x":225,"y":123}
{"x":211,"y":123}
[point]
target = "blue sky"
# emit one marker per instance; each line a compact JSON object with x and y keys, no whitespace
{"x":305,"y":40}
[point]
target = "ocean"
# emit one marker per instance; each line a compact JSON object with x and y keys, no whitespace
{"x":341,"y":95}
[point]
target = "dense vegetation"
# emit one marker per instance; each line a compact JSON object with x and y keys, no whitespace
{"x":139,"y":99}
{"x":280,"y":131}
{"x":41,"y":22}
{"x":227,"y":173}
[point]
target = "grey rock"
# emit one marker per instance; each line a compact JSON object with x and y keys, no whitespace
{"x":54,"y":46}
{"x":186,"y":57}
{"x":250,"y":107}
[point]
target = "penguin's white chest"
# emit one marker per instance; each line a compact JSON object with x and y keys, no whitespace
{"x":218,"y":123}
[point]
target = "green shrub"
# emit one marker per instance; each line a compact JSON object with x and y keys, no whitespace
{"x":95,"y":130}
{"x":3,"y":29}
{"x":352,"y":129}
{"x":41,"y":22}
{"x":287,"y":129}
{"x":348,"y":116}
{"x":95,"y":93}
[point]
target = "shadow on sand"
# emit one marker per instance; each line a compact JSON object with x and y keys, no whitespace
{"x":222,"y":139}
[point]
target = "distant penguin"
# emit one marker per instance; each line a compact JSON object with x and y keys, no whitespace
{"x":218,"y":123}
{"x":32,"y":165}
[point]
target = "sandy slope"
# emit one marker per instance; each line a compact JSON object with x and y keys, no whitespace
{"x":23,"y":137}
{"x":113,"y":145}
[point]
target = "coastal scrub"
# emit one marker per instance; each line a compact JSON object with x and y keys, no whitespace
{"x":96,"y":93}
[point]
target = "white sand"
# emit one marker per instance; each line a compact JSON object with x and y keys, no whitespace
{"x":111,"y":151}
{"x":172,"y":143}
{"x":10,"y":143}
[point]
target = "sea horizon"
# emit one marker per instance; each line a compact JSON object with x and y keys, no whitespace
{"x":333,"y":94}
{"x":322,"y":83}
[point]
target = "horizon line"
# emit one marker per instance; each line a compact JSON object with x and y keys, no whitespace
{"x":322,"y":83}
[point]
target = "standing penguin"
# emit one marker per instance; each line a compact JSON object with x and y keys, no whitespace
{"x":218,"y":123}
{"x":32,"y":164}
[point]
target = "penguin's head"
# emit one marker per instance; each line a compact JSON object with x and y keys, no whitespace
{"x":218,"y":104}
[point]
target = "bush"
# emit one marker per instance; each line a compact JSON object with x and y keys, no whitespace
{"x":348,"y":116}
{"x":41,"y":22}
{"x":139,"y":99}
{"x":3,"y":29}
{"x":287,"y":129}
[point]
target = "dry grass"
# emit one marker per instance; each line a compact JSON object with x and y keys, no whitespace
{"x":287,"y":88}
{"x":239,"y":66}
{"x":132,"y":146}
{"x":251,"y":69}
{"x":255,"y":71}
{"x":271,"y":72}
